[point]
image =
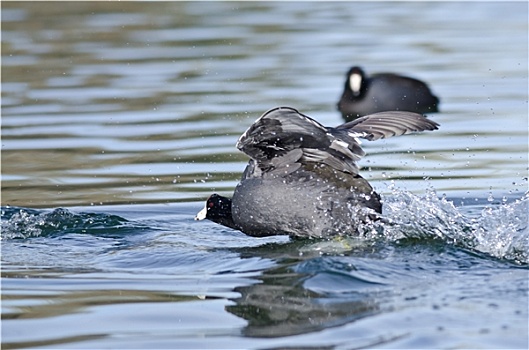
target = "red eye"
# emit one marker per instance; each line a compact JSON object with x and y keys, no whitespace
{"x":211,"y":205}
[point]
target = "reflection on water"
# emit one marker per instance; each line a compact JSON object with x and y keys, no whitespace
{"x":129,"y":103}
{"x":365,"y":285}
{"x":159,"y":275}
{"x":284,"y":308}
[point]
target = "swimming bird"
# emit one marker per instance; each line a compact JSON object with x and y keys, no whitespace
{"x":302,"y":179}
{"x":363,"y":95}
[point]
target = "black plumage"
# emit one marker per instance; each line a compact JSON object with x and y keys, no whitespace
{"x":302,"y":178}
{"x":363,"y":95}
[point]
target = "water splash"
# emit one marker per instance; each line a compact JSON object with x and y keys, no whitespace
{"x":25,"y":223}
{"x":500,"y":230}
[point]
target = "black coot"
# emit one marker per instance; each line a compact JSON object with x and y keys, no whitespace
{"x":382,"y":92}
{"x":302,"y":179}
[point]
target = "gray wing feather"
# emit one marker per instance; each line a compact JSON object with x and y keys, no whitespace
{"x":282,"y":138}
{"x":387,"y":124}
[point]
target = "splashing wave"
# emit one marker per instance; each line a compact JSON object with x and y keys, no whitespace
{"x":25,"y":223}
{"x":500,"y":230}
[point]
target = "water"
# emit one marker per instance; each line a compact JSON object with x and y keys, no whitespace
{"x":118,"y":119}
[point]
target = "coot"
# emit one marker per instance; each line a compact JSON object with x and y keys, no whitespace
{"x":381,"y":92}
{"x":302,"y":179}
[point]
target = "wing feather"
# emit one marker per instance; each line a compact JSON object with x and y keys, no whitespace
{"x":387,"y":124}
{"x":282,"y":138}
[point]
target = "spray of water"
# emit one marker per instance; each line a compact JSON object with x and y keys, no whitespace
{"x":500,"y":230}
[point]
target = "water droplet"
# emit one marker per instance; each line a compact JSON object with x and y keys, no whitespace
{"x":490,"y":198}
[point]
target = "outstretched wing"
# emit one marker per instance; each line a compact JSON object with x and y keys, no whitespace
{"x":279,"y":131}
{"x":282,"y":138}
{"x":387,"y":124}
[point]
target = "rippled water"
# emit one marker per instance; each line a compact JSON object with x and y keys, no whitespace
{"x":118,"y":119}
